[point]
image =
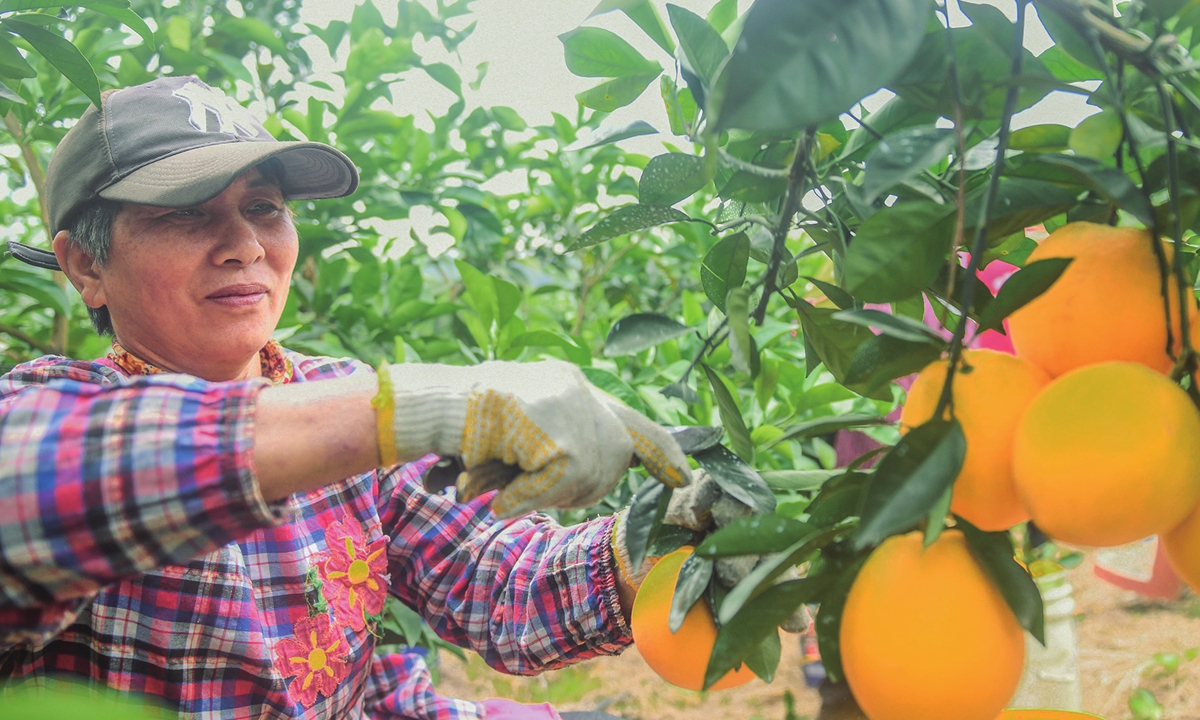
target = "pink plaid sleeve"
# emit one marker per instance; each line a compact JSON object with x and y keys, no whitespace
{"x":102,"y":481}
{"x":528,"y":595}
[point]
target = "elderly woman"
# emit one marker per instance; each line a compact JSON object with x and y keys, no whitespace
{"x":209,"y":519}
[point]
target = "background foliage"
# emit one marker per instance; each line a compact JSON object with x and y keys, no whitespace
{"x":773,"y":272}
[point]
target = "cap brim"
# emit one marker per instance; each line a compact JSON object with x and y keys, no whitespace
{"x":310,"y":170}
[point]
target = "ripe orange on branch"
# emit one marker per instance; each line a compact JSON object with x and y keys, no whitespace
{"x":926,"y":635}
{"x":991,"y":392}
{"x":1108,"y":454}
{"x":681,"y":657}
{"x":1107,"y":304}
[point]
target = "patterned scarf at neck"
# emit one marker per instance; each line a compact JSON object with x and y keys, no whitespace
{"x":276,"y":366}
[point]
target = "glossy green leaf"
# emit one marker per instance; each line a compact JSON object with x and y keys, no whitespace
{"x":722,"y":14}
{"x":1022,"y":288}
{"x":754,"y":535}
{"x":724,"y":267}
{"x":764,"y":660}
{"x":672,"y":177}
{"x":731,"y":416}
{"x":829,"y":620}
{"x":7,"y":95}
{"x":761,"y":617}
{"x":595,"y":52}
{"x":737,"y":479}
{"x":839,"y":498}
{"x":897,"y":326}
{"x":641,"y":331}
{"x":773,"y":566}
{"x":616,"y":93}
{"x":827,"y":425}
{"x":637,"y":128}
{"x":994,"y":551}
{"x":902,"y":156}
{"x":701,"y":44}
{"x":644,"y":516}
{"x":669,"y":539}
{"x":64,"y":56}
{"x":694,"y":576}
{"x":12,"y":64}
{"x":743,"y":353}
{"x":910,"y":479}
{"x":37,"y":286}
{"x":935,"y":522}
{"x":1040,"y":138}
{"x":481,"y":292}
{"x":836,"y":295}
{"x":884,"y":358}
{"x":645,"y":15}
{"x":1106,"y":181}
{"x":1098,"y":136}
{"x":898,"y":251}
{"x":626,"y":220}
{"x":798,"y":480}
{"x":445,"y":76}
{"x":798,"y":64}
{"x":614,"y":386}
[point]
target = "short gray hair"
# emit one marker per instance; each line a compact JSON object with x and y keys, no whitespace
{"x":91,"y":231}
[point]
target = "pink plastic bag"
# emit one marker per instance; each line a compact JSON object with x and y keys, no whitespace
{"x":498,"y":709}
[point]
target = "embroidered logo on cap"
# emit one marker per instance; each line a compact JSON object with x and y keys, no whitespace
{"x":208,"y":105}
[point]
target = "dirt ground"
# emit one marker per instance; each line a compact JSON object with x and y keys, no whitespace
{"x":1120,"y":635}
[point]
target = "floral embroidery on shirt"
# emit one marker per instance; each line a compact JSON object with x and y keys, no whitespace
{"x":355,"y":574}
{"x":316,"y":656}
{"x":274,"y":362}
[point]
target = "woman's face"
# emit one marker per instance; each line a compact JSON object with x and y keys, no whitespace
{"x":200,"y":289}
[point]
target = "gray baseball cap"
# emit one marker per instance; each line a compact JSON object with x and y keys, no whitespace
{"x":174,"y":142}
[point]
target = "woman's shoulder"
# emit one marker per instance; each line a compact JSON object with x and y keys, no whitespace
{"x":49,"y":368}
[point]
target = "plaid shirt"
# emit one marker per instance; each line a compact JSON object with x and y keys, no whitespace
{"x":137,"y":552}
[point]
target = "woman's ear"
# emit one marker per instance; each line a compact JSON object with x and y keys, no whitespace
{"x":81,"y":269}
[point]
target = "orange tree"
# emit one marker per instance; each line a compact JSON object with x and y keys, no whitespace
{"x":736,"y":279}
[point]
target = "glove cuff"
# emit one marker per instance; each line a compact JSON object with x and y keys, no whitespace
{"x":419,"y":413}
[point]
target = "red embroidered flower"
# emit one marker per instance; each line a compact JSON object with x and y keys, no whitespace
{"x":355,"y":574}
{"x":316,"y":656}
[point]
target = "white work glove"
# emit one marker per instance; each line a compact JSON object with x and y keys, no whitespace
{"x":702,"y":506}
{"x":572,"y":441}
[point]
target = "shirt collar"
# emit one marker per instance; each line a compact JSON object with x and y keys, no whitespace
{"x":274,"y":362}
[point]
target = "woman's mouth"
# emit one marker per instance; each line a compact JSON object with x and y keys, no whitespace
{"x":239,"y":296}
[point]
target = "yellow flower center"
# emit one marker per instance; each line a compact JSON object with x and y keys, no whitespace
{"x":316,"y":659}
{"x":359,"y":571}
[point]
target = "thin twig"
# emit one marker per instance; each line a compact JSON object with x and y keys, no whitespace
{"x":1186,"y":364}
{"x":977,"y":247}
{"x":960,"y":193}
{"x":751,"y":168}
{"x":795,"y":192}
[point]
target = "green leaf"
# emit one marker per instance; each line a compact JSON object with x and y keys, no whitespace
{"x":743,"y":351}
{"x":798,"y":64}
{"x":38,"y":287}
{"x":1022,"y":288}
{"x":669,"y":539}
{"x":645,"y":515}
{"x":883,"y":358}
{"x":897,"y":326}
{"x":827,"y":425}
{"x":840,"y":498}
{"x":834,"y":343}
{"x":481,"y":292}
{"x":614,"y":386}
{"x":595,"y":52}
{"x":1109,"y":183}
{"x":936,"y":520}
{"x":64,"y":56}
{"x":10,"y":96}
{"x":754,"y":535}
{"x":122,"y":13}
{"x":645,"y":15}
{"x":641,"y":331}
{"x":634,"y":129}
{"x":626,"y":220}
{"x":256,"y":31}
{"x":12,"y":64}
{"x":829,"y":620}
{"x":1048,"y":138}
{"x":797,"y":480}
{"x":836,"y":295}
{"x":724,"y":267}
{"x":737,"y":479}
{"x":722,"y":14}
{"x":1097,"y":136}
{"x":745,"y":632}
{"x":764,"y":660}
{"x":617,"y":93}
{"x":1145,"y":706}
{"x":672,"y":177}
{"x":898,"y":251}
{"x":694,"y":575}
{"x":1020,"y":203}
{"x":731,"y":416}
{"x":902,"y":156}
{"x":445,"y":76}
{"x":773,"y":566}
{"x":994,"y":551}
{"x":910,"y":479}
{"x":701,"y":44}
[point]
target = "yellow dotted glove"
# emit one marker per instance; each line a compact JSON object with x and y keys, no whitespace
{"x":571,"y":441}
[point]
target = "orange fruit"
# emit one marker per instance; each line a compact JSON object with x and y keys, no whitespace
{"x":1107,"y":305}
{"x":1108,"y":454}
{"x":680,"y":658}
{"x":1182,"y":545}
{"x":927,"y":636}
{"x":991,"y":392}
{"x":1030,"y":714}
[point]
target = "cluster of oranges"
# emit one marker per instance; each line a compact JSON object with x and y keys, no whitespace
{"x":1081,"y":431}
